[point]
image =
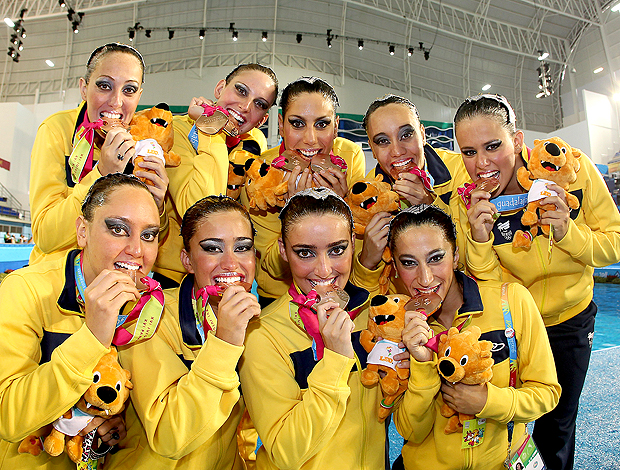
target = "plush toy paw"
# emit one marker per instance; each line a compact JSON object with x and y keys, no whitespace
{"x":54,"y":443}
{"x":446,"y":411}
{"x":453,"y":425}
{"x":529,"y":217}
{"x":74,"y":448}
{"x":390,"y":383}
{"x":522,"y":239}
{"x":31,"y":445}
{"x":369,"y":377}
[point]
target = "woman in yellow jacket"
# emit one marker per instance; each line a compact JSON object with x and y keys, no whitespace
{"x":69,"y":155}
{"x":246,"y":94}
{"x":300,"y":371}
{"x":67,"y":316}
{"x":417,"y":172}
{"x":423,"y":242}
{"x":308,"y":126}
{"x":559,"y":278}
{"x":186,"y":389}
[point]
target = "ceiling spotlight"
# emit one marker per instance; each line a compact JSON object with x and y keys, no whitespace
{"x":14,"y":39}
{"x":421,"y":45}
{"x":9,"y":22}
{"x":540,"y":94}
{"x":410,"y":51}
{"x":486,"y":87}
{"x":132,"y":34}
{"x":70,"y":13}
{"x":202,"y":33}
{"x":49,"y":63}
{"x":76,"y":26}
{"x":62,"y":3}
{"x":20,"y":30}
{"x":427,"y":54}
{"x":542,"y":55}
{"x":264,"y":36}
{"x":13,"y":54}
{"x":147,"y":33}
{"x":20,"y":46}
{"x":329,"y":38}
{"x":392,"y":49}
{"x":298,"y":38}
{"x":170,"y":33}
{"x":360,"y":44}
{"x":597,"y":70}
{"x":235,"y":35}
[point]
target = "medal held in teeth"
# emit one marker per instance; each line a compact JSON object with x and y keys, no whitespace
{"x":216,"y":122}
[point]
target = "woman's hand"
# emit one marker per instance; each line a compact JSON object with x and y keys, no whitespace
{"x":104,"y":298}
{"x":416,"y":334}
{"x":410,"y":187}
{"x":117,"y":150}
{"x":234,"y":312}
{"x":195,"y":109}
{"x":560,"y":217}
{"x":375,"y":239}
{"x":468,"y":399}
{"x":111,"y":431}
{"x":336,"y":326}
{"x":159,"y":179}
{"x":333,"y":179}
{"x":298,"y":180}
{"x":481,"y":215}
{"x":402,"y":359}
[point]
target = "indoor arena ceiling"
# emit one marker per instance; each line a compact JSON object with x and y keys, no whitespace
{"x":467,"y":43}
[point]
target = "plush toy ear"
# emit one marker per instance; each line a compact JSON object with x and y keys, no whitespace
{"x":248,"y":163}
{"x":379,"y":177}
{"x":536,"y":142}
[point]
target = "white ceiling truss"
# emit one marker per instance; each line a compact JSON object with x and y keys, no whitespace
{"x":469,"y":41}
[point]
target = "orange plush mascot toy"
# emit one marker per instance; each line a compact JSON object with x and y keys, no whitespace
{"x":154,"y":123}
{"x":105,"y":397}
{"x":386,"y":320}
{"x":551,"y":161}
{"x":366,"y":198}
{"x":265,"y":185}
{"x":462,"y":358}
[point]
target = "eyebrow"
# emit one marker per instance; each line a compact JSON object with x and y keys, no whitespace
{"x":295,"y":116}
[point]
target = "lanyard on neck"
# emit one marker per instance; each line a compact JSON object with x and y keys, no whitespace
{"x":148,"y":310}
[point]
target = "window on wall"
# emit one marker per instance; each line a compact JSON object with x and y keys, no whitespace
{"x":11,"y":229}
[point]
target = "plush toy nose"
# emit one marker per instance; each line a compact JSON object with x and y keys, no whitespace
{"x":446,"y":368}
{"x":552,"y":149}
{"x":107,"y":394}
{"x":359,"y":188}
{"x":239,"y":170}
{"x":378,"y":300}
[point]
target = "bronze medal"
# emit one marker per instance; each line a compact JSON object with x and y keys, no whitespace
{"x":323,"y":162}
{"x":292,"y":160}
{"x":487,"y":184}
{"x":334,"y":294}
{"x":213,"y":124}
{"x":428,"y":303}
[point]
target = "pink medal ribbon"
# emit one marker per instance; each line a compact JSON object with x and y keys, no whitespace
{"x":209,"y":110}
{"x":433,"y":343}
{"x":205,"y":314}
{"x":148,"y":310}
{"x":309,"y":318}
{"x":81,"y":158}
{"x":426,"y":181}
{"x":465,"y":193}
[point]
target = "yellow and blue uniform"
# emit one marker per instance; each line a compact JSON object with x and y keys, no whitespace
{"x":186,"y":393}
{"x":562,"y":286}
{"x":273,"y":276}
{"x":418,"y":418}
{"x":48,"y":356}
{"x":203,"y":172}
{"x":309,"y":414}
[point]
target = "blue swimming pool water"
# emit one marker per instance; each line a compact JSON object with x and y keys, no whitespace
{"x":607,"y":325}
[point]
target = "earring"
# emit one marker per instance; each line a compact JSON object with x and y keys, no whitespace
{"x":395,"y":274}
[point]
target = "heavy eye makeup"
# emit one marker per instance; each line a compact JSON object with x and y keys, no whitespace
{"x":296,"y":123}
{"x":117,"y":226}
{"x":436,"y":256}
{"x":338,"y":248}
{"x":406,"y":132}
{"x":244,"y":245}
